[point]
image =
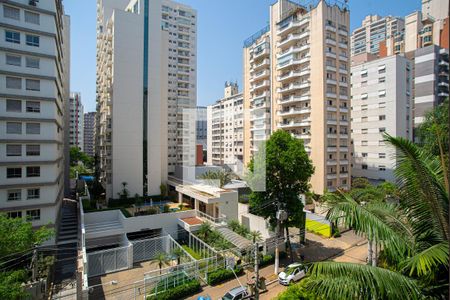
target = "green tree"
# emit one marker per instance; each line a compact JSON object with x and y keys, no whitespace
{"x":221,"y":177}
{"x":163,"y":189}
{"x":433,"y":134}
{"x":360,"y":183}
{"x":161,"y":258}
{"x":76,"y":155}
{"x":287,"y":172}
{"x":17,"y":237}
{"x":255,"y":236}
{"x":178,"y":254}
{"x":413,"y":235}
{"x":205,"y":231}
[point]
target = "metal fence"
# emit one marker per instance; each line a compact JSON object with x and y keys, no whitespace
{"x":200,"y":246}
{"x":107,"y":261}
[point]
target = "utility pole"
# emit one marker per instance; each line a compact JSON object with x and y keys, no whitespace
{"x":277,"y":250}
{"x":256,"y":272}
{"x":34,"y":264}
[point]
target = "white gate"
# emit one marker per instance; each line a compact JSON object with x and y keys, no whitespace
{"x":107,"y":261}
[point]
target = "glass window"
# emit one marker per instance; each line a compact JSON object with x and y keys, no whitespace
{"x":31,"y":17}
{"x":14,"y":214}
{"x":13,"y":172}
{"x":381,"y":155}
{"x":32,"y":40}
{"x":33,"y":106}
{"x":381,"y":79}
{"x":364,"y":154}
{"x":33,"y":150}
{"x":12,"y":36}
{"x":364,"y":167}
{"x":34,"y":215}
{"x":33,"y":128}
{"x":381,"y":168}
{"x":11,"y":12}
{"x":14,"y":128}
{"x":33,"y":194}
{"x":32,"y":62}
{"x":13,"y":60}
{"x":33,"y":171}
{"x":382,"y":117}
{"x":13,"y":105}
{"x":14,"y":195}
{"x":14,"y":150}
{"x":33,"y":85}
{"x":382,"y":129}
{"x":13,"y":83}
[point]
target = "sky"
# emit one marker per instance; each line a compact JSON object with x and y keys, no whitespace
{"x":222,"y":28}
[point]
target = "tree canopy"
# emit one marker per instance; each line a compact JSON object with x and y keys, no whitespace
{"x":287,"y":172}
{"x":76,"y":155}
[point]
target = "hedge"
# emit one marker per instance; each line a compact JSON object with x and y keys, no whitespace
{"x":221,"y":275}
{"x":269,"y":259}
{"x":192,"y":252}
{"x":182,"y":291}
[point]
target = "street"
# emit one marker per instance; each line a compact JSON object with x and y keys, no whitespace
{"x":347,"y":248}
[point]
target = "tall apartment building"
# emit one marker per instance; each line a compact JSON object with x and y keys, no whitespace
{"x":431,"y":80}
{"x":76,"y":135}
{"x":297,"y":78}
{"x":226,"y":129}
{"x":382,"y":102}
{"x":89,"y":133}
{"x":34,"y":79}
{"x":375,"y":29}
{"x":146,"y":76}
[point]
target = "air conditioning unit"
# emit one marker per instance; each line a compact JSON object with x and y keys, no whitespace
{"x":32,"y":2}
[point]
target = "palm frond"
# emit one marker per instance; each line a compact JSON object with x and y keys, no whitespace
{"x":346,"y":211}
{"x":421,"y":182}
{"x":428,"y":261}
{"x":336,"y":280}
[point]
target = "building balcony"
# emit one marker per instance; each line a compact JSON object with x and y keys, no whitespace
{"x":332,"y":108}
{"x":260,"y":85}
{"x":260,"y":105}
{"x":343,"y":149}
{"x":343,"y":122}
{"x":331,"y":162}
{"x":260,"y":137}
{"x":295,"y":123}
{"x":330,"y":68}
{"x":330,"y":42}
{"x":294,"y":86}
{"x":293,"y":49}
{"x":443,"y":63}
{"x":331,"y":176}
{"x":343,"y":84}
{"x":264,"y":63}
{"x":293,"y":62}
{"x":343,"y":58}
{"x":343,"y":174}
{"x":343,"y":71}
{"x":343,"y":32}
{"x":256,"y":127}
{"x":294,"y":74}
{"x":293,"y":37}
{"x":330,"y":28}
{"x":331,"y":81}
{"x":294,"y":99}
{"x":331,"y":149}
{"x":294,"y":111}
{"x":331,"y":121}
{"x":330,"y":54}
{"x":331,"y":95}
{"x":443,"y":83}
{"x":332,"y":135}
{"x":292,"y":25}
{"x":343,"y":45}
{"x":259,"y":75}
{"x":443,"y":94}
{"x":343,"y":97}
{"x":261,"y":96}
{"x":260,"y":117}
{"x":261,"y":53}
{"x":304,"y":136}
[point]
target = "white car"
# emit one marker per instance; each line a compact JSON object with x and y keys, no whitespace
{"x":292,"y":273}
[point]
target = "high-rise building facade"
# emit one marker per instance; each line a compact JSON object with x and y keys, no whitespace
{"x":146,"y":80}
{"x":382,"y":102}
{"x":431,"y":80}
{"x":226,"y":129}
{"x":375,"y":29}
{"x":34,"y":72}
{"x":76,"y":136}
{"x":89,"y":133}
{"x":297,"y":78}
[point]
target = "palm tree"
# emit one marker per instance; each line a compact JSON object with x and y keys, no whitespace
{"x":205,"y":230}
{"x":413,"y":235}
{"x":161,"y":258}
{"x":255,"y":235}
{"x":177,"y":253}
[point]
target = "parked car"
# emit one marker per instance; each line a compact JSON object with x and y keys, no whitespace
{"x":292,"y":273}
{"x":236,"y":293}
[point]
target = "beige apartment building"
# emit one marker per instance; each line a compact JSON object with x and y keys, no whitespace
{"x":297,"y":78}
{"x":225,"y":142}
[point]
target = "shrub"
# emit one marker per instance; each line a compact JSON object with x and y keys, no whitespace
{"x":179,"y":292}
{"x":266,"y":260}
{"x":125,"y":212}
{"x":192,"y":252}
{"x":221,"y":275}
{"x":166,"y":208}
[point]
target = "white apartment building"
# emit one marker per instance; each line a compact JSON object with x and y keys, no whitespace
{"x":375,"y":29}
{"x":226,"y":129}
{"x":381,"y":102}
{"x":76,"y":130}
{"x":34,"y":94}
{"x":146,"y":76}
{"x":297,"y":78}
{"x":89,"y":133}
